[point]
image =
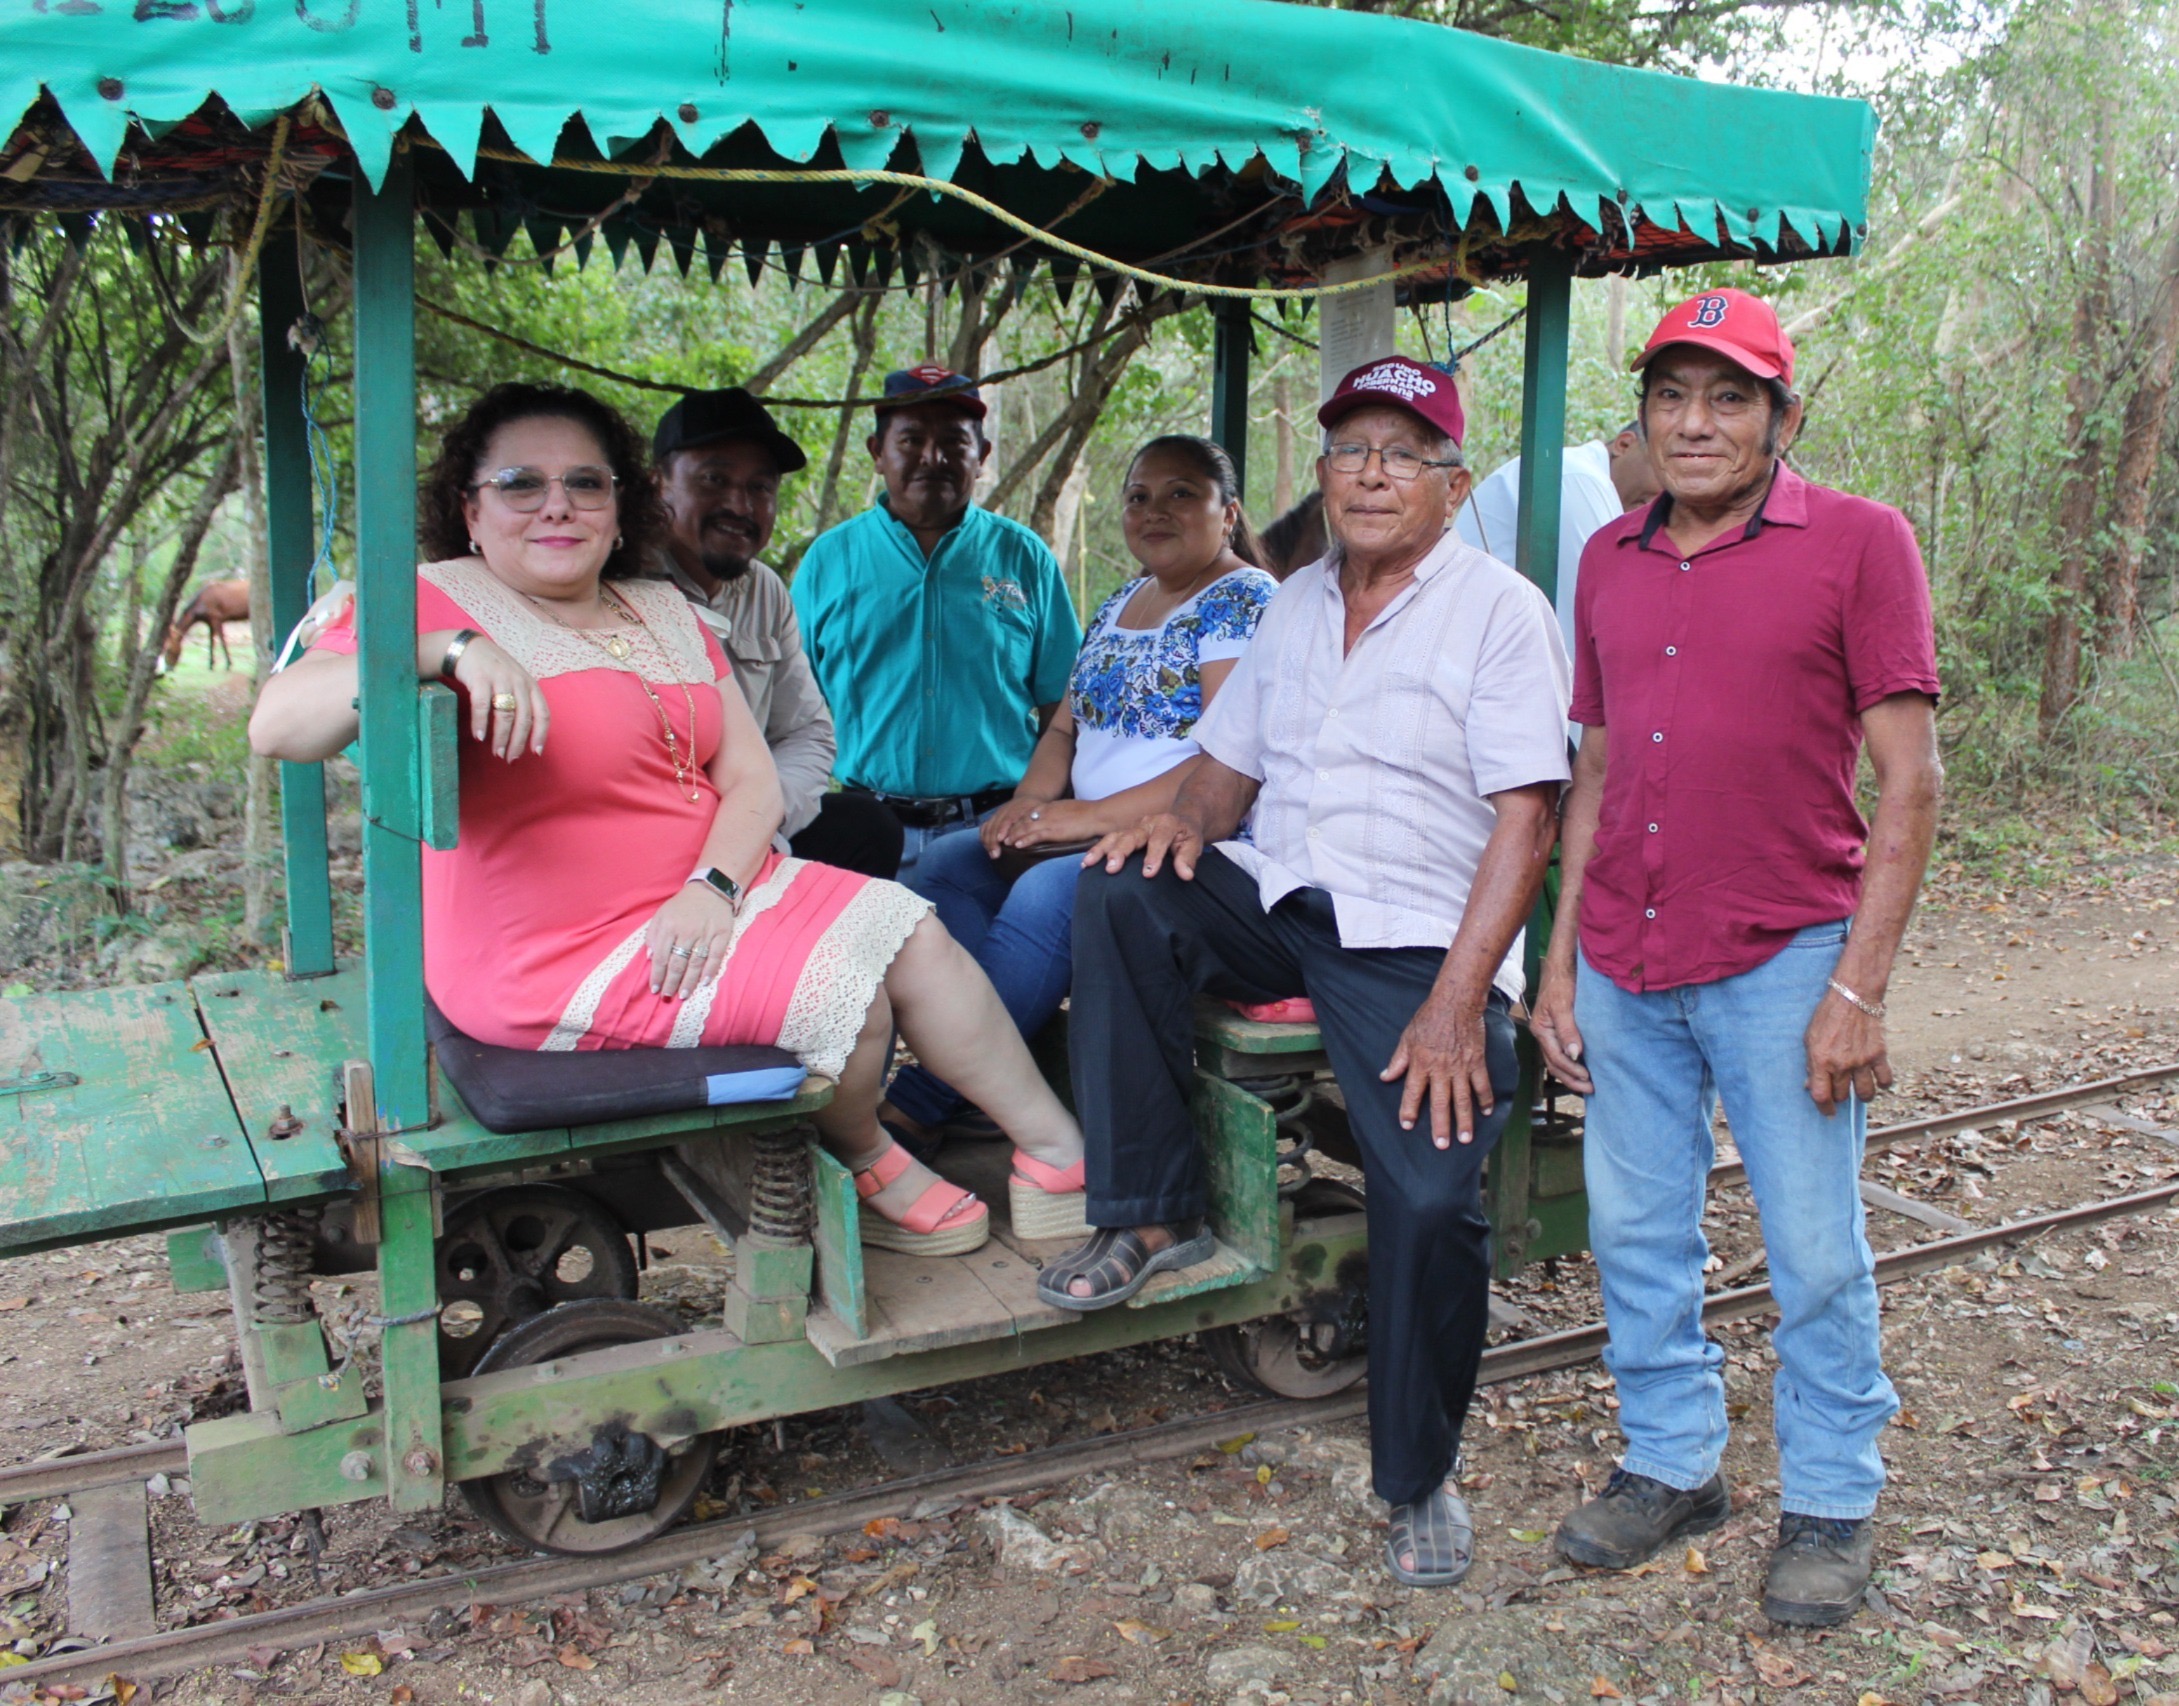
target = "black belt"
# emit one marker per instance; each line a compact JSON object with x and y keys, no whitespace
{"x":921,"y":812}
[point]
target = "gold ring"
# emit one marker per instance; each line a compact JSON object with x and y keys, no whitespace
{"x":503,"y":701}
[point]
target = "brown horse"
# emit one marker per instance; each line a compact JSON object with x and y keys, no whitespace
{"x":1297,"y":538}
{"x":216,"y":604}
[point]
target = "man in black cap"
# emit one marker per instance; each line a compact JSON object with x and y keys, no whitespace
{"x":942,"y":634}
{"x":718,"y":458}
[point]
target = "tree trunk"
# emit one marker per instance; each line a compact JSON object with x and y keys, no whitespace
{"x":807,"y":339}
{"x":2140,"y":450}
{"x":261,"y":807}
{"x":122,"y":749}
{"x":1282,"y":406}
{"x":2086,"y":391}
{"x":866,"y":346}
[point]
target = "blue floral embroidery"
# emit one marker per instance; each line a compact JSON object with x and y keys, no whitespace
{"x":1148,"y":683}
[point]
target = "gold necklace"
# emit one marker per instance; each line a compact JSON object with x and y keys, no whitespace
{"x":621,"y":649}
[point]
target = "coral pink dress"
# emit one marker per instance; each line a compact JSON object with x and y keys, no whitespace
{"x":534,"y":921}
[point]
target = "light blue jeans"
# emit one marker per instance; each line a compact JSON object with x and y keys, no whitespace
{"x":1020,"y":932}
{"x":1660,"y":1061}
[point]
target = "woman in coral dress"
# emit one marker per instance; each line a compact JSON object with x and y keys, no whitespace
{"x":615,"y":882}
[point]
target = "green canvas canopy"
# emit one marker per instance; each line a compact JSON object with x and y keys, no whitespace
{"x":1255,"y":139}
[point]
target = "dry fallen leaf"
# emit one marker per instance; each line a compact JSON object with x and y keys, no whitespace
{"x":576,"y":1659}
{"x":362,"y":1664}
{"x":797,"y":1588}
{"x":1269,"y":1538}
{"x":1696,"y":1564}
{"x":7,"y":1303}
{"x":799,"y":1648}
{"x":1600,"y":1688}
{"x":2097,"y":1688}
{"x":1872,"y":1698}
{"x":124,"y":1690}
{"x":1778,"y":1669}
{"x":402,"y":1696}
{"x":1144,"y":1634}
{"x":1075,"y":1668}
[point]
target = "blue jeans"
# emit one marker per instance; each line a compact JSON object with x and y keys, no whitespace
{"x":1660,"y":1061}
{"x":1021,"y":933}
{"x":916,"y":843}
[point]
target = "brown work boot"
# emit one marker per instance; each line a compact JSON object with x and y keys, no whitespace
{"x":1819,"y":1570}
{"x":1636,"y":1517}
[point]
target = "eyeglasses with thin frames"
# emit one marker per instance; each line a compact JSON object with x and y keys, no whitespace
{"x":525,"y":489}
{"x":1398,"y":462}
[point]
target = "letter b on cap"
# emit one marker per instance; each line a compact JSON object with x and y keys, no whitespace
{"x":1709,"y":311}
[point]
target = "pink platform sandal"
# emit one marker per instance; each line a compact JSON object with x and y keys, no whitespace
{"x":934,"y":1224}
{"x":1046,"y":1201}
{"x":1294,"y":1010}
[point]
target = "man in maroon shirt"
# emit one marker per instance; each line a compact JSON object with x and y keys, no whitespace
{"x":1727,"y":925}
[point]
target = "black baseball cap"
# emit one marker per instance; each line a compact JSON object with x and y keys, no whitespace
{"x":705,"y":417}
{"x":927,"y":382}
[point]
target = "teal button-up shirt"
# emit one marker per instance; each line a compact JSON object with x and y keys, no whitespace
{"x":934,"y":667}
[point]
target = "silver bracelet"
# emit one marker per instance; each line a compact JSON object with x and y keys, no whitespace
{"x":1875,"y":1009}
{"x":458,"y":645}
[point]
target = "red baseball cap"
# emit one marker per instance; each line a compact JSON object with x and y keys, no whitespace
{"x":1427,"y":393}
{"x":1738,"y":326}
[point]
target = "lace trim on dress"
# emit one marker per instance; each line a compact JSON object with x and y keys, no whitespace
{"x":695,"y":1014}
{"x":582,"y":1007}
{"x":832,"y":996}
{"x":669,"y":646}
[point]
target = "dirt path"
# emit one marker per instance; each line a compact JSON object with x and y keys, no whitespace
{"x":2030,"y":1548}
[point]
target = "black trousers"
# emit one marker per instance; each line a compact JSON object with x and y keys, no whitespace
{"x":854,"y":832}
{"x":1142,"y":951}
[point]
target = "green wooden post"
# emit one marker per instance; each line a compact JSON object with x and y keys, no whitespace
{"x":385,"y":274}
{"x":385,"y":309}
{"x":1536,"y":555}
{"x":290,"y":545}
{"x":1543,"y":419}
{"x":1229,"y":385}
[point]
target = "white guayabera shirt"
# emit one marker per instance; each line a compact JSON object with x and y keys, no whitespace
{"x":1375,"y":765}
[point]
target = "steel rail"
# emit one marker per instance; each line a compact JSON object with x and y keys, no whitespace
{"x":61,"y":1476}
{"x":2021,"y":1108}
{"x":357,"y":1614}
{"x":57,"y":1477}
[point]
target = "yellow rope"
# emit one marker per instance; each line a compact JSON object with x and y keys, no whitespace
{"x":238,"y":289}
{"x":983,"y":204}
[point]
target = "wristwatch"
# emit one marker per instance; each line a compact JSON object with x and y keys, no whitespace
{"x":719,"y":880}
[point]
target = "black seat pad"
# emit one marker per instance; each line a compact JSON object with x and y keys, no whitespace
{"x":518,"y":1089}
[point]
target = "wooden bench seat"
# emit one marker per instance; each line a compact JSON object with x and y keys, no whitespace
{"x":127,"y":1126}
{"x":1233,"y":1047}
{"x":179,"y":1085}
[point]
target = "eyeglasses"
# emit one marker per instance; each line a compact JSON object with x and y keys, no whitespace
{"x":525,"y":489}
{"x":1398,"y":462}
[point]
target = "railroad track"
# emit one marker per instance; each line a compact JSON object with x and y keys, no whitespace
{"x":176,"y":1651}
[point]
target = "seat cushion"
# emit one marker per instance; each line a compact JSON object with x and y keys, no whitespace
{"x":516,"y":1089}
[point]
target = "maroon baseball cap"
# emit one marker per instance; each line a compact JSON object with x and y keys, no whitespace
{"x":927,"y":382}
{"x":1738,"y":326}
{"x":1427,"y":393}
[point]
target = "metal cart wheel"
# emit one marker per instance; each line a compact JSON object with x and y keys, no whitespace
{"x":620,"y":1489}
{"x":513,"y":1253}
{"x":1318,"y":1350}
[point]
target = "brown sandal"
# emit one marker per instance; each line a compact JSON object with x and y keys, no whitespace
{"x":1118,"y":1264}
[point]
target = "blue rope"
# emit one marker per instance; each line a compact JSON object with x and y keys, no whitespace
{"x":308,"y":336}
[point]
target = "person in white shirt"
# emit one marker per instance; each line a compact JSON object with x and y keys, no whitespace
{"x":1598,"y":482}
{"x":1398,"y":725}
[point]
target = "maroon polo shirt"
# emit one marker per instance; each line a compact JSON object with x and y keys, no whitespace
{"x":1732,"y":683}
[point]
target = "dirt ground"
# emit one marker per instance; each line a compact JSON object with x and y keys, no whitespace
{"x":2030,"y":1536}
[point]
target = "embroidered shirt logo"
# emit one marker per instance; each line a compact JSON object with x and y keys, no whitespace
{"x":1397,"y":376}
{"x":1709,"y":311}
{"x":1005,"y":593}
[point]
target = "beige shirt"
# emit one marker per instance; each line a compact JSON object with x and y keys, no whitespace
{"x":1375,"y":763}
{"x":754,"y":619}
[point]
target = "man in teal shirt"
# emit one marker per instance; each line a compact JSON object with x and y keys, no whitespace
{"x":941,"y":634}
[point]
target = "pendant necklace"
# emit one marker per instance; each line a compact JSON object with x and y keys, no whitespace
{"x":620,"y":648}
